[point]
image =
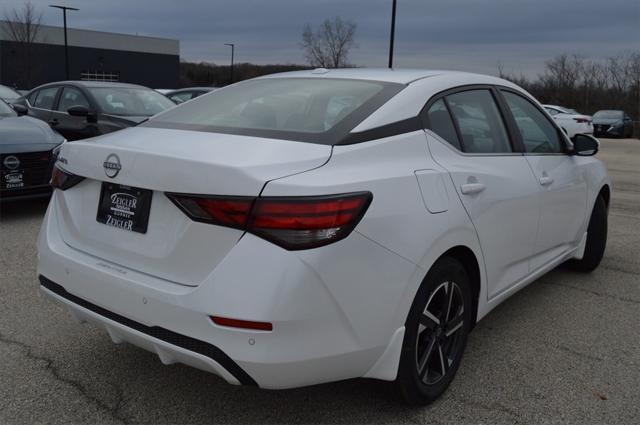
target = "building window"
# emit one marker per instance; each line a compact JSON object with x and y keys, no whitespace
{"x":100,"y":76}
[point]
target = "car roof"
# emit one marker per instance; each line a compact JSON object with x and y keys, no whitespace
{"x":421,"y":85}
{"x":400,"y":76}
{"x":188,"y":89}
{"x":194,"y":88}
{"x":92,"y":84}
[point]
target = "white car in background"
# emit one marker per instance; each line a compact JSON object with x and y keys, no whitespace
{"x":321,"y":225}
{"x":571,"y":121}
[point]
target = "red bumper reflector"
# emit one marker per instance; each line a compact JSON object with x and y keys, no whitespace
{"x":242,"y":324}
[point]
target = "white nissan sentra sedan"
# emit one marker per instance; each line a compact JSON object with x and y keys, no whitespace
{"x":321,"y":225}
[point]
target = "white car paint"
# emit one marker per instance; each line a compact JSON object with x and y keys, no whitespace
{"x":570,"y":121}
{"x":338,"y":311}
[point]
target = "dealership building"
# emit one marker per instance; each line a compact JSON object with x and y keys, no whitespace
{"x":93,"y":55}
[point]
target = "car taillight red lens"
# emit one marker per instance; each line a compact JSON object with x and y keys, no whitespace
{"x":63,"y":180}
{"x":292,"y":223}
{"x":302,"y":223}
{"x":224,"y":211}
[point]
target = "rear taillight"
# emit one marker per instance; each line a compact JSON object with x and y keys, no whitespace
{"x":63,"y":180}
{"x":225,"y":211}
{"x":581,"y":120}
{"x":293,"y":222}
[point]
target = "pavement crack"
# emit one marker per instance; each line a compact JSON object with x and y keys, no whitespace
{"x":580,"y":354}
{"x":491,"y":407}
{"x":49,"y":365}
{"x":619,"y":269}
{"x":590,"y":291}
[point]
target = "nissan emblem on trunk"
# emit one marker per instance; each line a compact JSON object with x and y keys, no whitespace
{"x":112,"y":165}
{"x":11,"y":162}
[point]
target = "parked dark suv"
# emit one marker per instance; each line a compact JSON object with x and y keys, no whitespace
{"x":612,"y":123}
{"x":82,"y":109}
{"x":27,"y":152}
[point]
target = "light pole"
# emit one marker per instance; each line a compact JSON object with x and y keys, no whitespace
{"x":393,"y":32}
{"x":233,"y":47}
{"x":66,"y":45}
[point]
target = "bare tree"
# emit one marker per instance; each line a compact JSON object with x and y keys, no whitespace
{"x":328,"y":46}
{"x":587,"y":85}
{"x":23,"y":27}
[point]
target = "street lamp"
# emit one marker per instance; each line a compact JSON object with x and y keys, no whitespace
{"x":66,"y":46}
{"x":233,"y":46}
{"x":393,"y":32}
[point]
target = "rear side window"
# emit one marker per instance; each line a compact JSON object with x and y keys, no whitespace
{"x":551,"y":111}
{"x":441,"y":123}
{"x":537,"y":132}
{"x":45,"y":97}
{"x":478,"y":118}
{"x":182,"y":97}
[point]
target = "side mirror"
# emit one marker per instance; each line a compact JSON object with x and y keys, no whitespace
{"x":20,"y":109}
{"x":585,"y":145}
{"x":82,"y":111}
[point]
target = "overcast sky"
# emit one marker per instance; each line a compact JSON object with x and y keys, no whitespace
{"x":472,"y":35}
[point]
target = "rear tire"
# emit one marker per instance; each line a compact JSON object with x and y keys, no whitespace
{"x":435,"y":333}
{"x":596,"y":239}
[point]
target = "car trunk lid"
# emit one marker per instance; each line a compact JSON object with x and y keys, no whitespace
{"x":173,"y":247}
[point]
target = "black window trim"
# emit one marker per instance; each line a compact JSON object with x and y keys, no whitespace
{"x":516,"y":146}
{"x":564,"y":139}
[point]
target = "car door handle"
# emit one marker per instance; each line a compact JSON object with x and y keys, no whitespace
{"x":546,"y":180}
{"x":471,"y":188}
{"x":54,"y":122}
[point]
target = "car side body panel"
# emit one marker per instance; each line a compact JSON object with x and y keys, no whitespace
{"x":385,"y":167}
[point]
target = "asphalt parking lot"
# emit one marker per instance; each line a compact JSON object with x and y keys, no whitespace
{"x":565,"y":349}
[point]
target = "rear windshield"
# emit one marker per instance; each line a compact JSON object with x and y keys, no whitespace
{"x":316,"y":110}
{"x":7,"y":93}
{"x":6,"y":110}
{"x":608,"y":114}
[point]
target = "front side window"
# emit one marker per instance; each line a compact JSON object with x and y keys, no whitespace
{"x":71,"y":96}
{"x":32,"y":98}
{"x":45,"y":97}
{"x":481,"y":126}
{"x":315,"y":110}
{"x":126,"y":101}
{"x":440,"y":123}
{"x":537,"y":132}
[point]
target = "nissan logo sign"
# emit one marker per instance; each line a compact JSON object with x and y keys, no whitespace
{"x":112,"y":165}
{"x":11,"y":162}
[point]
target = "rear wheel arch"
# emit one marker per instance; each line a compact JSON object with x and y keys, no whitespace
{"x":470,"y":262}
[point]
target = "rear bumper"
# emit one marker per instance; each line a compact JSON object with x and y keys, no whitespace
{"x":170,"y":347}
{"x":318,"y":335}
{"x":33,"y":192}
